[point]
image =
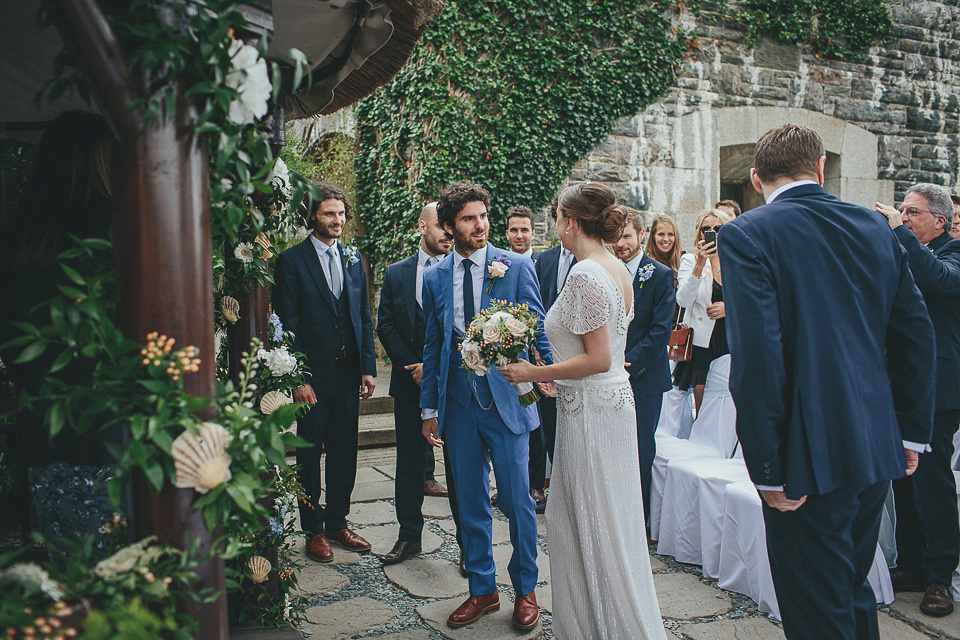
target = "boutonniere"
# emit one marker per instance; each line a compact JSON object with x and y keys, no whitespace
{"x":350,"y":253}
{"x":496,"y":269}
{"x":645,"y":274}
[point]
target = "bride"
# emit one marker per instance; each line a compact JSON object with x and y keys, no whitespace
{"x":601,"y":578}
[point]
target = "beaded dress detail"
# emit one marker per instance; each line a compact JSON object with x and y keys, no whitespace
{"x":599,"y":564}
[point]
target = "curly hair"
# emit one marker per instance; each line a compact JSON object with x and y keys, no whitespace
{"x":329,"y":192}
{"x":455,"y":197}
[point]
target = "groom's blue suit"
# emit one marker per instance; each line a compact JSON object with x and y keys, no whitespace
{"x":480,"y":418}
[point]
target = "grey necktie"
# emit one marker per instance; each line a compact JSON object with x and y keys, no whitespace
{"x":336,"y":286}
{"x":432,"y":260}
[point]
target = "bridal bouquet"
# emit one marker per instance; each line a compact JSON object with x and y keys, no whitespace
{"x":498,"y":335}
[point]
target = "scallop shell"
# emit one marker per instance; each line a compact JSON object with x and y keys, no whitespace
{"x":273,"y":400}
{"x":259,"y":568}
{"x":265,"y":245}
{"x":201,"y":458}
{"x":230,"y":309}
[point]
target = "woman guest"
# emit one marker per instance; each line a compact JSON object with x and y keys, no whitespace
{"x":700,"y":292}
{"x":663,"y":245}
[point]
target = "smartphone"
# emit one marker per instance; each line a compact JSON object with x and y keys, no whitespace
{"x":710,"y":236}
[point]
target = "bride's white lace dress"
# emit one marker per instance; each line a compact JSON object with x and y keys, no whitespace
{"x":599,"y":565}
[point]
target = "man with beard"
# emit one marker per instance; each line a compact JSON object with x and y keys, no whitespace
{"x":321,"y":296}
{"x":401,"y":327}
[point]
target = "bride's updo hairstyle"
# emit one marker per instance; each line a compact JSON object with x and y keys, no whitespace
{"x":595,"y":207}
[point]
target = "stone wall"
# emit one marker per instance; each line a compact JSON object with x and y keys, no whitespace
{"x":889,"y":118}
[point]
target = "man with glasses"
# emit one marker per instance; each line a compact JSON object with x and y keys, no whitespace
{"x":928,"y":526}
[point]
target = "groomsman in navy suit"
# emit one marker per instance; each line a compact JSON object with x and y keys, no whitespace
{"x":401,"y":327}
{"x":552,"y":268}
{"x":321,"y":296}
{"x":928,"y":526}
{"x":833,"y":378}
{"x":480,"y":417}
{"x":654,"y":301}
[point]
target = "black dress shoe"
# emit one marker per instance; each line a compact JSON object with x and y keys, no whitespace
{"x":401,"y":551}
{"x":463,"y":569}
{"x":907,"y":580}
{"x":937,"y":600}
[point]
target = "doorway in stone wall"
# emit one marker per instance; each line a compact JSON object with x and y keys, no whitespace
{"x":735,"y":164}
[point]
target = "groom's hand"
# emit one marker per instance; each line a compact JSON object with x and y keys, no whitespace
{"x":913,"y":461}
{"x":430,"y":432}
{"x":779,"y":500}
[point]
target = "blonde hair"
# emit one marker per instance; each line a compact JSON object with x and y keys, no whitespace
{"x":672,"y":258}
{"x":719,"y":215}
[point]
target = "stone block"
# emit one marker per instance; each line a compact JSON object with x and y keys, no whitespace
{"x":683,"y":597}
{"x":923,"y":120}
{"x":893,"y":629}
{"x":496,"y":625}
{"x":604,"y":172}
{"x":368,"y":513}
{"x":656,"y":564}
{"x":340,"y":556}
{"x":315,"y":578}
{"x":369,"y":491}
{"x":908,"y":605}
{"x":894,"y":151}
{"x":862,"y":191}
{"x":775,"y":55}
{"x":830,"y":129}
{"x":434,"y":507}
{"x":860,"y":111}
{"x":371,"y":474}
{"x":885,"y":190}
{"x":383,"y":537}
{"x":501,"y":557}
{"x":771,"y":117}
{"x":428,"y":578}
{"x":733,"y":629}
{"x":412,"y":634}
{"x":347,"y":618}
{"x":858,"y":157}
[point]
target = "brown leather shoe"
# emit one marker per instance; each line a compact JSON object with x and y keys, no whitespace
{"x":435,"y":489}
{"x":318,"y":549}
{"x":539,"y":499}
{"x":937,"y":600}
{"x":473,"y":609}
{"x":348,"y":540}
{"x":401,"y":551}
{"x":526,"y":613}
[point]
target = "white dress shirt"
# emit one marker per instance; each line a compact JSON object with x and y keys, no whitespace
{"x":797,"y":183}
{"x":563,"y":267}
{"x":423,"y":258}
{"x":528,"y":253}
{"x":478,"y":270}
{"x":634,"y":264}
{"x":322,"y":249}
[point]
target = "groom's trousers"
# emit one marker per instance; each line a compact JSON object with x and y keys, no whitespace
{"x":820,"y":557}
{"x":473,"y":435}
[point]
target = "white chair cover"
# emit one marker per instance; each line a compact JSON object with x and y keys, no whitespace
{"x":676,"y":413}
{"x":744,"y":564}
{"x":717,"y":412}
{"x":956,"y":574}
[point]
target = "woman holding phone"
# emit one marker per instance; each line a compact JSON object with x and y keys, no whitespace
{"x":700,"y":292}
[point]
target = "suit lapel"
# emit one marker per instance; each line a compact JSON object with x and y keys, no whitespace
{"x":409,"y":280}
{"x":316,"y":270}
{"x":937,"y":243}
{"x":446,"y":282}
{"x":552,"y":270}
{"x":492,"y":254}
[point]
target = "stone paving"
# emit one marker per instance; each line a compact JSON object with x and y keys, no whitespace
{"x":355,"y":596}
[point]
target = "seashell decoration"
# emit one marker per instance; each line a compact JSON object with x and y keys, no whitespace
{"x":201,"y":458}
{"x":265,"y":245}
{"x":230,"y":309}
{"x":273,"y":400}
{"x":259,"y":568}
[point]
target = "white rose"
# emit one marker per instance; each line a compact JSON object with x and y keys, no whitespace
{"x":497,"y":269}
{"x":491,"y":332}
{"x":515,"y":327}
{"x":248,"y":75}
{"x":470,"y":352}
{"x":280,"y":361}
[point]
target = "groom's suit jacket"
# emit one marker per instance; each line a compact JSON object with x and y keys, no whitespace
{"x":518,"y":284}
{"x":654,"y":302}
{"x":832,"y":348}
{"x":306,"y":307}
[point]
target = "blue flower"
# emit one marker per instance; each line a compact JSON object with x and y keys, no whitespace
{"x":275,"y":526}
{"x":350,"y":253}
{"x":645,"y":274}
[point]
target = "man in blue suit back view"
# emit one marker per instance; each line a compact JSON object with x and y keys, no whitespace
{"x":480,"y":417}
{"x":822,"y":316}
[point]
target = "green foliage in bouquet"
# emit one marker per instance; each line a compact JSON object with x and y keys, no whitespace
{"x":510,"y":94}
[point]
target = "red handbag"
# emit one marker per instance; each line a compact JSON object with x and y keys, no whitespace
{"x":680,"y":346}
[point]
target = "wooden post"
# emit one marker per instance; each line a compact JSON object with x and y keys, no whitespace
{"x":164,"y":263}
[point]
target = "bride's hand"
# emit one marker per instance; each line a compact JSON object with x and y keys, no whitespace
{"x":548,"y":389}
{"x":518,"y":372}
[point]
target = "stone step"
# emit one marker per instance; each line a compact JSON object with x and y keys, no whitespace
{"x":377,"y":430}
{"x":376,"y":404}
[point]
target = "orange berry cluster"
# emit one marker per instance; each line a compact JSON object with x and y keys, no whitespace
{"x":158,"y":351}
{"x":51,"y":626}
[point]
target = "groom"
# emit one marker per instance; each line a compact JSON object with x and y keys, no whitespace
{"x":480,"y":417}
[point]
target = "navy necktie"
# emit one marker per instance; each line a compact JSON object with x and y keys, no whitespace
{"x":468,"y":308}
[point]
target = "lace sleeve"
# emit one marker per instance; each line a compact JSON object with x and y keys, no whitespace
{"x":584,"y":307}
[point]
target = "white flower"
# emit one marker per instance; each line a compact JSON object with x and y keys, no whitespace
{"x":139,"y":554}
{"x":244,"y":252}
{"x":248,"y":75}
{"x":497,"y":269}
{"x":280,"y":176}
{"x":491,"y":332}
{"x":279,"y":360}
{"x":33,"y":575}
{"x":515,"y":327}
{"x":470,"y":352}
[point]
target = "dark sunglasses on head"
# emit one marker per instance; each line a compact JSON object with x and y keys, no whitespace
{"x":705,"y":229}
